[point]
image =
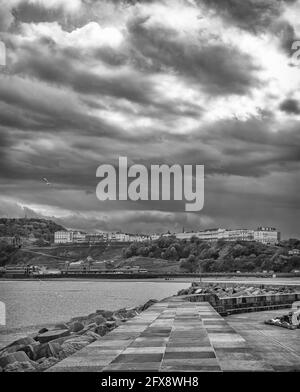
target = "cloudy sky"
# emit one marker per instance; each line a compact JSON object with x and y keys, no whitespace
{"x":181,"y":81}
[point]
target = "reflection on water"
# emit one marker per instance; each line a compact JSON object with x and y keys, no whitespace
{"x":41,"y":302}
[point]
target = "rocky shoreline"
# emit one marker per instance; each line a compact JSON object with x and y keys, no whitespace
{"x":43,"y":349}
{"x":234,"y":290}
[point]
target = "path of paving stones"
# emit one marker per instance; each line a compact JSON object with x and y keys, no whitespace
{"x":170,"y":336}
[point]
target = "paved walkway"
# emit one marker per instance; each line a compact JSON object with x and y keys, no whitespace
{"x":170,"y":336}
{"x":280,"y":347}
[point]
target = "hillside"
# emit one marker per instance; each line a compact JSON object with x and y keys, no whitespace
{"x":32,"y":228}
{"x":166,"y":254}
{"x":53,"y":256}
{"x":150,"y":264}
{"x":220,"y":256}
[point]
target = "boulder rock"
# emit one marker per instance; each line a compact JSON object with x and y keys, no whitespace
{"x":101,"y":330}
{"x":99,"y":320}
{"x":147,"y":305}
{"x":94,"y":335}
{"x":105,"y":313}
{"x":61,"y":326}
{"x":20,"y":367}
{"x":76,"y":326}
{"x":69,"y":348}
{"x":79,"y":318}
{"x":43,"y":330}
{"x":111,"y":324}
{"x":30,"y":350}
{"x":19,"y":356}
{"x":45,"y":363}
{"x":45,"y":350}
{"x":131,"y":313}
{"x":12,"y":349}
{"x":51,"y":335}
{"x":22,"y":341}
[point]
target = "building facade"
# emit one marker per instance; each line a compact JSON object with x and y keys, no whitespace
{"x":267,"y":235}
{"x":76,"y":237}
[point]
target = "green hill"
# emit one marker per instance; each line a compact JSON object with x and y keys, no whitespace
{"x":34,"y":228}
{"x":53,"y":256}
{"x":220,"y":256}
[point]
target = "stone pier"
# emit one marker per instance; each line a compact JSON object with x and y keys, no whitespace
{"x":173,"y":335}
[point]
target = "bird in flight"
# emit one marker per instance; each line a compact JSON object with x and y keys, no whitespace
{"x":46,"y":181}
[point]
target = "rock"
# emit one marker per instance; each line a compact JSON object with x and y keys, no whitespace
{"x":91,"y":326}
{"x":76,"y":326}
{"x":101,"y":330}
{"x":80,"y":318}
{"x":147,"y":304}
{"x":131,"y":313}
{"x":20,"y":367}
{"x":61,"y":326}
{"x":19,"y":356}
{"x":69,"y":348}
{"x":93,"y":335}
{"x":111,"y":324}
{"x":105,"y":313}
{"x":22,"y":342}
{"x":51,"y":335}
{"x":30,"y":350}
{"x":43,"y":330}
{"x":12,"y":349}
{"x":45,"y":350}
{"x":45,"y":363}
{"x":99,"y":320}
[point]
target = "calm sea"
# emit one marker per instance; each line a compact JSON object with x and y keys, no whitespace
{"x":31,"y":303}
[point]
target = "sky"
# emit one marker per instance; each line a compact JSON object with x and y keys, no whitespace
{"x":202,"y":82}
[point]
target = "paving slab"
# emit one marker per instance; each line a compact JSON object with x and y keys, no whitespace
{"x":175,"y":335}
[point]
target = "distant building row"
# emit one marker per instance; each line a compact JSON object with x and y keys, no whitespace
{"x":265,"y":235}
{"x":71,"y":237}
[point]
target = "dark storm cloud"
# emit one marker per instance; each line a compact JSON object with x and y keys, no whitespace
{"x":47,"y":110}
{"x":253,"y":147}
{"x":290,"y":106}
{"x":45,"y":61}
{"x":36,"y":13}
{"x":286,"y":33}
{"x":216,"y":68}
{"x":167,"y":93}
{"x":253,"y":15}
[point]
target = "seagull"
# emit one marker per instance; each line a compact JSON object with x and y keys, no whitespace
{"x":46,"y":181}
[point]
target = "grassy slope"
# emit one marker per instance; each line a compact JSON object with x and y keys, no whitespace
{"x":51,"y":256}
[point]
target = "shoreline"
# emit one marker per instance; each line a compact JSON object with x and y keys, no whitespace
{"x":275,"y":281}
{"x":36,"y":349}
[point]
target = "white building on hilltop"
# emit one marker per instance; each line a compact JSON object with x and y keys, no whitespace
{"x":267,"y":235}
{"x":69,"y":237}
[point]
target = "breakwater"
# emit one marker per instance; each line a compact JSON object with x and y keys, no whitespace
{"x":46,"y":347}
{"x":241,"y":298}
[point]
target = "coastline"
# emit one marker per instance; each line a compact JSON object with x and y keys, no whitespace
{"x":255,"y":280}
{"x":29,"y":349}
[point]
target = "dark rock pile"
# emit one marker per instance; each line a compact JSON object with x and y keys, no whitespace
{"x":47,"y":347}
{"x":235,"y":290}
